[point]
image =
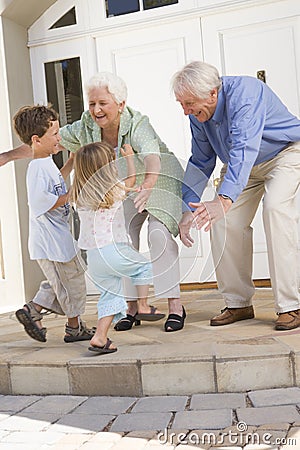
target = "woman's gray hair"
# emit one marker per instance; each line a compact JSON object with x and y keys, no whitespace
{"x":114,"y":84}
{"x":196,"y":78}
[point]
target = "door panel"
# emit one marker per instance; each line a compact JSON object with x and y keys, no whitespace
{"x":147,"y":59}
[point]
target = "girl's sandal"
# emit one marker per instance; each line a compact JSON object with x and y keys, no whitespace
{"x":175,"y":322}
{"x":127,"y":323}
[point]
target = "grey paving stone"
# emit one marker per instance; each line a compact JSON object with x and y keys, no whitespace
{"x":204,"y":419}
{"x":160,"y":404}
{"x":141,"y":421}
{"x":218,"y":401}
{"x":59,"y":404}
{"x":15,"y":403}
{"x":269,"y":414}
{"x":273,"y":397}
{"x":105,"y":405}
{"x":78,"y":423}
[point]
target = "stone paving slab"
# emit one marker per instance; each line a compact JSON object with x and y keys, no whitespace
{"x":105,"y":405}
{"x":203,"y":419}
{"x":218,"y":401}
{"x":160,"y":403}
{"x":283,"y":396}
{"x":270,"y":414}
{"x":78,"y":423}
{"x":59,"y":404}
{"x":15,"y":403}
{"x":141,"y":421}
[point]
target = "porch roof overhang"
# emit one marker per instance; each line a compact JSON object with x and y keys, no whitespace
{"x":22,"y":12}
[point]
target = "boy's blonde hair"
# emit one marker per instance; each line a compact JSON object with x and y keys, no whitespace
{"x":96,"y":183}
{"x":31,"y":120}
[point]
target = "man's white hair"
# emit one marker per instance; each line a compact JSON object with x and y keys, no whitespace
{"x":196,"y":78}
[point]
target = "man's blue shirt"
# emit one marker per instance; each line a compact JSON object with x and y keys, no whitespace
{"x":249,"y":126}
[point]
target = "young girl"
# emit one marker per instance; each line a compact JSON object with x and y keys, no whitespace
{"x":98,"y":195}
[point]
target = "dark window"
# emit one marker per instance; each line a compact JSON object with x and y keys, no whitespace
{"x":67,"y":19}
{"x":119,"y":7}
{"x":149,"y":4}
{"x":64,"y":92}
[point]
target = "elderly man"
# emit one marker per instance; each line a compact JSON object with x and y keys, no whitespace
{"x":241,"y":120}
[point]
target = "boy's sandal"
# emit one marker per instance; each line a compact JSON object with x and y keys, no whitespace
{"x":175,"y":322}
{"x":127,"y":323}
{"x":103,"y":350}
{"x":81,"y":333}
{"x":28,"y":316}
{"x":150,"y":317}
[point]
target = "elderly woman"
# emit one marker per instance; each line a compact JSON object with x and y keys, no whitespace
{"x":159,"y":176}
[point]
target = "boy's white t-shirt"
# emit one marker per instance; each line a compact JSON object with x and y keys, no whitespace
{"x":49,"y":231}
{"x":102,"y":227}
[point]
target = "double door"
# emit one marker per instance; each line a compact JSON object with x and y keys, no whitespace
{"x":247,"y":41}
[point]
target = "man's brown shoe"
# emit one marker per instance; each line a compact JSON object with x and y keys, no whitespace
{"x":231,"y":315}
{"x":288,"y":320}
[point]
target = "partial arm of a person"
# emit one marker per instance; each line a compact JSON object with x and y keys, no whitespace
{"x":62,"y":200}
{"x":22,"y":152}
{"x":68,"y":166}
{"x":152,"y":166}
{"x":128,"y":153}
{"x":146,"y":144}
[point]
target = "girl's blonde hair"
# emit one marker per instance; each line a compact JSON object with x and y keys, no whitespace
{"x":96,"y":183}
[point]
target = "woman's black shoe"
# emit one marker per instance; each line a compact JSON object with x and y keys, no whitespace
{"x":127,"y":323}
{"x":175,"y":322}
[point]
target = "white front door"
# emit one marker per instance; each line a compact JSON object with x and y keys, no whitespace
{"x":147,"y":59}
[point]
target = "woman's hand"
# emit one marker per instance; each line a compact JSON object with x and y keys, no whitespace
{"x":184,"y":228}
{"x":152,"y":166}
{"x":142,"y":197}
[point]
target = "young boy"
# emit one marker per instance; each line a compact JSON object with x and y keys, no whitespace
{"x":50,"y":240}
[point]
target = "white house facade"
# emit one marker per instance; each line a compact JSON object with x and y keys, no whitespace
{"x":49,"y":49}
